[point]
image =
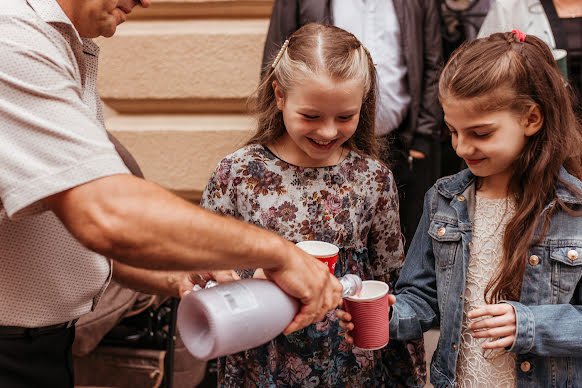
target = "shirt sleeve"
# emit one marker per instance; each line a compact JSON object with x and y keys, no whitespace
{"x":385,"y":244}
{"x":51,"y":141}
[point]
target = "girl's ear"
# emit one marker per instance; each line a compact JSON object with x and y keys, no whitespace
{"x":534,"y":120}
{"x":279,"y":96}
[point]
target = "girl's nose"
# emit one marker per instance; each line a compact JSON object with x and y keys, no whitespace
{"x":464,"y":148}
{"x":328,"y":131}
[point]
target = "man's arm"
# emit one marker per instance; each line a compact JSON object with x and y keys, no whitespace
{"x":140,"y":224}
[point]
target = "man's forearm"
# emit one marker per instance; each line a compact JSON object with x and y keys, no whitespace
{"x":140,"y":224}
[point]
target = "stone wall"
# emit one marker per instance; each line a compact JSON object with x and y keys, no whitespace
{"x":176,"y":79}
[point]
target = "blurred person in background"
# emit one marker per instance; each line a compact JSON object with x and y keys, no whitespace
{"x":557,"y":22}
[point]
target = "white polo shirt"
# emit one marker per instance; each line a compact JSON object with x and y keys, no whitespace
{"x":52,"y":138}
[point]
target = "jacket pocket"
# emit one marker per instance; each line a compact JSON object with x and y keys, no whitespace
{"x":446,"y":242}
{"x":566,"y":265}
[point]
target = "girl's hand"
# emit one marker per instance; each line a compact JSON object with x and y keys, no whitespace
{"x":224,"y":276}
{"x":499,"y":325}
{"x":259,"y":274}
{"x":345,"y":322}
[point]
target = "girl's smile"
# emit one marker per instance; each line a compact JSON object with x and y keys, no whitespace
{"x":473,"y":162}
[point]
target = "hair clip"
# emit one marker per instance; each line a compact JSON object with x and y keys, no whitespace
{"x":280,"y":53}
{"x":520,"y":35}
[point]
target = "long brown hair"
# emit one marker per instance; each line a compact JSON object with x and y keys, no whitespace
{"x":485,"y":70}
{"x":317,"y":49}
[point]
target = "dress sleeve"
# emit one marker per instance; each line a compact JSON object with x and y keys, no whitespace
{"x":220,"y":194}
{"x":385,"y":246}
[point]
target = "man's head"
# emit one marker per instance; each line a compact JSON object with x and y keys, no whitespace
{"x":93,"y":18}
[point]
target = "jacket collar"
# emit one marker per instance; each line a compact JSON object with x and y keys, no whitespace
{"x":568,"y":194}
{"x":456,"y":184}
{"x":453,"y":185}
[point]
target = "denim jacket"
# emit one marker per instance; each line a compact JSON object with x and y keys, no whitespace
{"x":429,"y":292}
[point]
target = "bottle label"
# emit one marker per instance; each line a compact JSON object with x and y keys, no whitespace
{"x":238,"y":297}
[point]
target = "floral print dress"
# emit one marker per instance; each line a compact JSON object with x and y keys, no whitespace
{"x":353,"y":205}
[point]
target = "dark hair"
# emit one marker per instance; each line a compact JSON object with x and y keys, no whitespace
{"x":317,"y":49}
{"x":502,"y":73}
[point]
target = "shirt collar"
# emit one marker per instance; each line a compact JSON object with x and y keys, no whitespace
{"x":51,"y":12}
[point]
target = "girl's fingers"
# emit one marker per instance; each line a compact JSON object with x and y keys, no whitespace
{"x":343,"y":315}
{"x":504,"y":331}
{"x":348,"y":326}
{"x":490,"y":309}
{"x":391,"y":299}
{"x":498,"y":321}
{"x":503,"y":342}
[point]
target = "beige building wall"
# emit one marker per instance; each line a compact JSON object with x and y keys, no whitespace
{"x":176,"y":78}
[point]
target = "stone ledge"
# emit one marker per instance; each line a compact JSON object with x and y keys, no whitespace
{"x":180,"y":152}
{"x":187,"y":61}
{"x":204,"y":9}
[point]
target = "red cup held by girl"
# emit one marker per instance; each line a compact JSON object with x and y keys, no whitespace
{"x":370,"y":313}
{"x":322,"y":251}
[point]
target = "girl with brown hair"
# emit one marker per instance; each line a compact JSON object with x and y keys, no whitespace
{"x":497,"y":258}
{"x":311,"y":172}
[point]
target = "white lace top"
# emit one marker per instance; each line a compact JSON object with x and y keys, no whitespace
{"x":476,"y":367}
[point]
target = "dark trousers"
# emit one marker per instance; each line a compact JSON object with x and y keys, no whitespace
{"x":412,"y":179}
{"x":37,"y":361}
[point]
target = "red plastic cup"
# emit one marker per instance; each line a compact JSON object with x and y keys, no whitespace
{"x":324,"y":252}
{"x":370,"y":313}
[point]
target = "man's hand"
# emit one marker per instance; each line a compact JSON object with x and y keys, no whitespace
{"x":308,"y":280}
{"x":499,"y":324}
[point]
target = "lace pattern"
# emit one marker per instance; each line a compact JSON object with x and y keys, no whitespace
{"x":475,"y":367}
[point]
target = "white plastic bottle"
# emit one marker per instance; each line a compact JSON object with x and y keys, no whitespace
{"x":241,"y":315}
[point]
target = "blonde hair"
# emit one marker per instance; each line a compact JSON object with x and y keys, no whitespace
{"x":318,"y":50}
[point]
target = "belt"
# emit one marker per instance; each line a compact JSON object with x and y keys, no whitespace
{"x":29,"y":332}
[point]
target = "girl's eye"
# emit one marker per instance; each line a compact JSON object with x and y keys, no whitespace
{"x":346,"y":118}
{"x":451,"y":131}
{"x":309,"y":116}
{"x":482,"y":135}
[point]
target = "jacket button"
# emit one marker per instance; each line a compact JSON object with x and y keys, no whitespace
{"x":470,"y":245}
{"x":525,"y":366}
{"x":461,"y":297}
{"x":461,"y":198}
{"x":441,"y":232}
{"x":454,"y":346}
{"x":534,"y":260}
{"x":572,"y":254}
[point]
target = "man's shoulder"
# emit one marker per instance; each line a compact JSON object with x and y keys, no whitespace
{"x":18,"y":12}
{"x":25,"y":36}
